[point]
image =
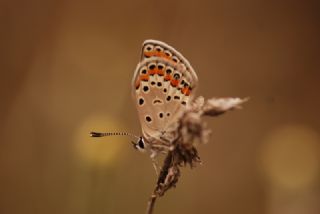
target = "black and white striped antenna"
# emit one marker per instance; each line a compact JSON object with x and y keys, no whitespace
{"x":106,"y":134}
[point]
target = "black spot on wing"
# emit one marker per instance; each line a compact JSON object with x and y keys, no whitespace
{"x":148,"y":119}
{"x":145,"y":88}
{"x":141,"y":101}
{"x":157,"y":101}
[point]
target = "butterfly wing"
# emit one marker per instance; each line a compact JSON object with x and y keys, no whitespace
{"x":155,"y":48}
{"x":163,"y":85}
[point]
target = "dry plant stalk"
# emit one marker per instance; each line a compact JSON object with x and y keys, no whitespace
{"x":191,"y":130}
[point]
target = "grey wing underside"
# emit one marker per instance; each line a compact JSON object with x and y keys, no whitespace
{"x":162,"y":104}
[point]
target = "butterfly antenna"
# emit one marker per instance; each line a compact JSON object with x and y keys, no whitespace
{"x":105,"y":134}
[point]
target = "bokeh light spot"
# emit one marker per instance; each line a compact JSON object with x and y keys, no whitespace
{"x":99,"y":151}
{"x":289,"y":157}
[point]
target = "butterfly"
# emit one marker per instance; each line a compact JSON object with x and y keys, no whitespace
{"x":163,"y":86}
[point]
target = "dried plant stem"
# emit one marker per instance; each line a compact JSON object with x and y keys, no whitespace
{"x":151,"y":203}
{"x":161,"y":179}
{"x":191,"y":129}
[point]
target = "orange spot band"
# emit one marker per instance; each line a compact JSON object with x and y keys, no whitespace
{"x":160,"y":72}
{"x":167,"y":77}
{"x":186,"y":91}
{"x":144,"y":77}
{"x":156,"y":71}
{"x":174,"y":82}
{"x":158,"y":54}
{"x":152,"y":72}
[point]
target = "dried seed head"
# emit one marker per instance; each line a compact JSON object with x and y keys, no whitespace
{"x":190,"y":131}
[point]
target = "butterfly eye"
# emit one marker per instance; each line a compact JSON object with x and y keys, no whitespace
{"x":158,"y":48}
{"x":141,"y":143}
{"x":168,"y":53}
{"x":148,"y":48}
{"x":175,"y":59}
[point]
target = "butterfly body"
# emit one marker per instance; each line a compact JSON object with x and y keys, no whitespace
{"x":162,"y":87}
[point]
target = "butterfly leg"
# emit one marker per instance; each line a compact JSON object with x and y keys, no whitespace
{"x":155,"y":162}
{"x":167,"y":143}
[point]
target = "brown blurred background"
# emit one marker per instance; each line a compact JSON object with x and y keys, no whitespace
{"x":66,"y":69}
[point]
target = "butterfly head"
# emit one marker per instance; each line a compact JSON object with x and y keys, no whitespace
{"x":140,"y":144}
